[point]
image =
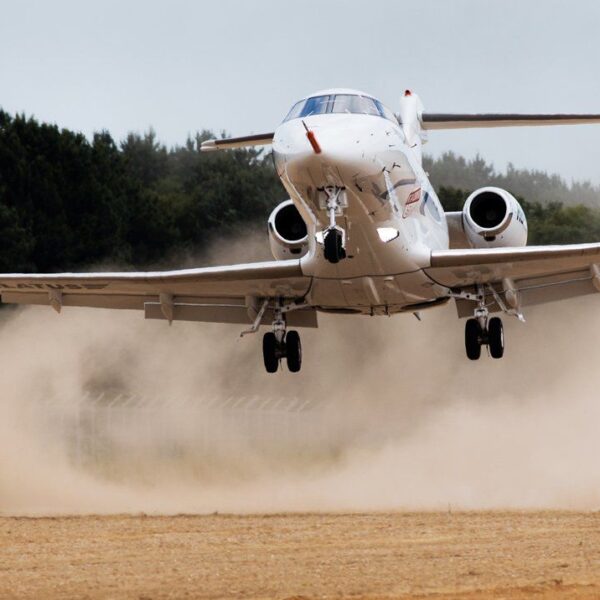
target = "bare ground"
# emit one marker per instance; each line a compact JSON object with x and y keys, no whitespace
{"x":303,"y":556}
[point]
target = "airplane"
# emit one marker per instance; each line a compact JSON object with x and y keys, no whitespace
{"x":362,"y":233}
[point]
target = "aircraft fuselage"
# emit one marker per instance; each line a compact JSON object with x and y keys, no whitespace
{"x":389,"y":211}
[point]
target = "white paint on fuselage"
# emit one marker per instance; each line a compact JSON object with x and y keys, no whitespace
{"x":385,"y":186}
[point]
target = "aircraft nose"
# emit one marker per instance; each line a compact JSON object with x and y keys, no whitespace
{"x":315,"y":147}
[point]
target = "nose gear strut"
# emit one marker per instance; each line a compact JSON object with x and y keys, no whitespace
{"x":334,"y":237}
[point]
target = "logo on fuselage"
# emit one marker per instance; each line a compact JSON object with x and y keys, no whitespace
{"x":411,"y":202}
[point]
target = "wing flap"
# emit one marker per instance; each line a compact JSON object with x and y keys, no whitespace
{"x":122,"y":301}
{"x":209,"y":310}
{"x":226,"y":313}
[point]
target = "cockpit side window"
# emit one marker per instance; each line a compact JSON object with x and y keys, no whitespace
{"x":296,"y":110}
{"x":340,"y":103}
{"x":385,"y":112}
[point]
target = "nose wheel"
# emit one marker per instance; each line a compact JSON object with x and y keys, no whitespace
{"x":289,"y":348}
{"x":334,"y":246}
{"x":489,"y":333}
{"x":334,"y":236}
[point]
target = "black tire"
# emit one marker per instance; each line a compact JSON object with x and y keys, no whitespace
{"x":333,"y":248}
{"x":496,"y":337}
{"x":270,"y":352}
{"x":473,"y":339}
{"x":293,"y":351}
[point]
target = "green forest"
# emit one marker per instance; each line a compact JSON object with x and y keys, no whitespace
{"x":67,"y":202}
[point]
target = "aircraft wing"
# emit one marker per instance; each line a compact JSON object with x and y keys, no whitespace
{"x":468,"y":120}
{"x":229,"y":294}
{"x":259,"y":139}
{"x":533,"y":275}
{"x":432,"y":121}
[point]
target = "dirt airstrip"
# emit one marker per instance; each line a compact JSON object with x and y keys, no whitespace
{"x":382,"y":555}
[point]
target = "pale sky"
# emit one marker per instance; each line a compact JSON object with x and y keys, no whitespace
{"x":238,"y":65}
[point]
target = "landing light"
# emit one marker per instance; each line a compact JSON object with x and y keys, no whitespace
{"x":387,"y":234}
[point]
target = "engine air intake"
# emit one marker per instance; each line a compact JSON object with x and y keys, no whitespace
{"x":492,"y":218}
{"x":288,"y":233}
{"x":289,"y":224}
{"x":488,"y":210}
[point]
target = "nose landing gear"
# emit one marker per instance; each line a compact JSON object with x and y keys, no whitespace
{"x":334,"y":245}
{"x":334,"y":238}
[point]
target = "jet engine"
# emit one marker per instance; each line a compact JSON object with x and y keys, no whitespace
{"x":288,"y":234}
{"x":493,"y":218}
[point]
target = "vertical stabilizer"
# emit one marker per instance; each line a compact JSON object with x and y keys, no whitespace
{"x":410,"y":118}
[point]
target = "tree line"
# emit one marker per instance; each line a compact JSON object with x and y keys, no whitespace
{"x":67,"y":202}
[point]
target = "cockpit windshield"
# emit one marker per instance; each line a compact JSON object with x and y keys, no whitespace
{"x":340,"y":103}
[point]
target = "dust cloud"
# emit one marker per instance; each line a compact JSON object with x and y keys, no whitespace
{"x":104,"y":412}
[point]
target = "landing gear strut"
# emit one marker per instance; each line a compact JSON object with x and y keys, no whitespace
{"x":481,"y":331}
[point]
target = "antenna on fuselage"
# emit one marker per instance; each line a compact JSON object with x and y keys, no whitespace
{"x":312,"y":138}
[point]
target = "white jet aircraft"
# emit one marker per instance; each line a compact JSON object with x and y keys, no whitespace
{"x":362,"y":233}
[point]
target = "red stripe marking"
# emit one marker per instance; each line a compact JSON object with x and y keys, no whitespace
{"x":313,"y":141}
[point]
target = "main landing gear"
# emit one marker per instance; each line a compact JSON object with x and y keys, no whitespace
{"x":334,"y":237}
{"x":289,"y":348}
{"x":280,"y":344}
{"x":481,"y":331}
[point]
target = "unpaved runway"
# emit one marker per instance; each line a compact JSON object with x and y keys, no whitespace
{"x":392,"y":555}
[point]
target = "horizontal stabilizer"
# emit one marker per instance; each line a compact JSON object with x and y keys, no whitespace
{"x":260,"y":139}
{"x":466,"y":121}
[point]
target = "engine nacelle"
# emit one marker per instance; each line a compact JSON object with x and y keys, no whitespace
{"x":493,"y":218}
{"x":288,"y":234}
